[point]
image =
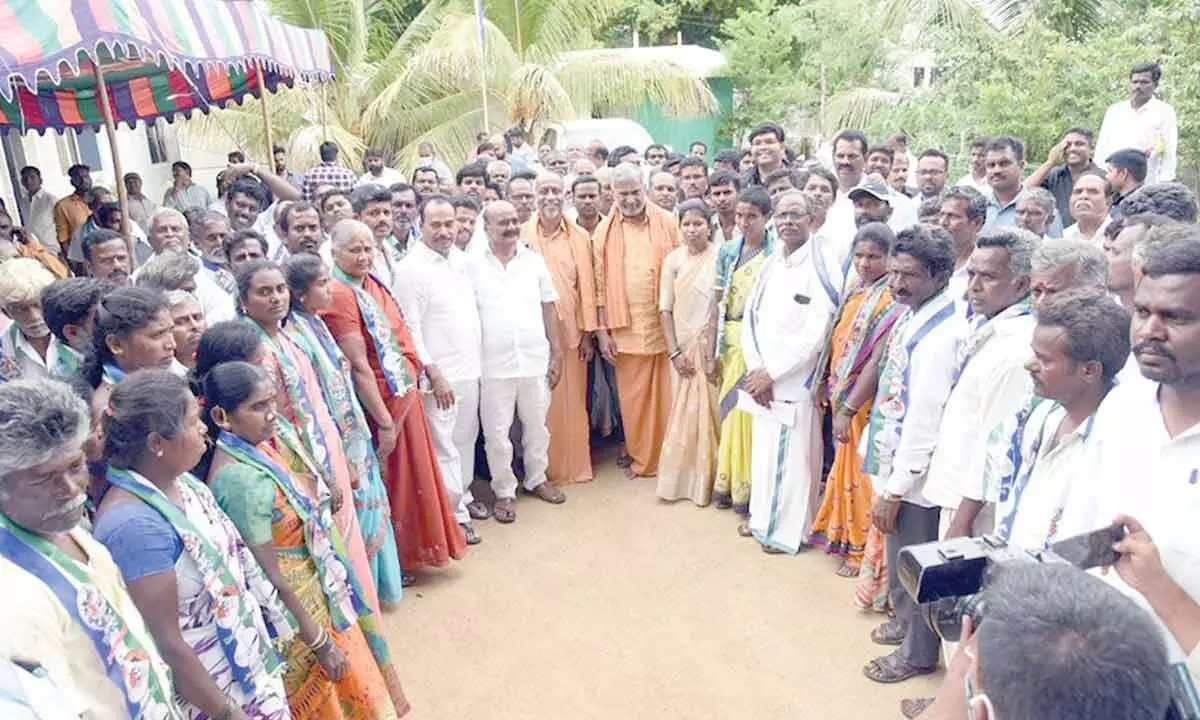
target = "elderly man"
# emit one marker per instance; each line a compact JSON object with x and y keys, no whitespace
{"x":515,"y":295}
{"x":169,"y":234}
{"x":1066,"y":265}
{"x":787,"y":319}
{"x":64,"y":604}
{"x":628,"y":249}
{"x":435,"y":293}
{"x":568,"y":253}
{"x":1089,"y":206}
{"x":1035,"y":209}
{"x":27,"y":348}
{"x":991,"y":382}
{"x":208,"y":231}
{"x":498,"y":173}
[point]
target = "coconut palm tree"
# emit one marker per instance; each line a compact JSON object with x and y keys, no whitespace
{"x":431,"y":85}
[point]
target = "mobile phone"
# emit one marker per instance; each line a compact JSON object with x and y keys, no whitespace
{"x":1090,"y":550}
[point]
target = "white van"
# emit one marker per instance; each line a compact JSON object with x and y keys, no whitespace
{"x":610,"y":131}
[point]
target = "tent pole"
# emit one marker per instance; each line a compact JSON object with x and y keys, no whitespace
{"x":110,"y":131}
{"x":266,"y":115}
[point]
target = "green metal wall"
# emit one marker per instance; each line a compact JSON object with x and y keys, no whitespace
{"x":679,"y":132}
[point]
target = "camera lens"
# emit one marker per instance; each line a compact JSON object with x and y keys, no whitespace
{"x":945,"y":616}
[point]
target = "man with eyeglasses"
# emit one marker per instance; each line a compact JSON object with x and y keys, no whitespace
{"x":933,"y":170}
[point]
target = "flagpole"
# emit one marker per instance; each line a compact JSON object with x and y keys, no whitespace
{"x":483,"y":93}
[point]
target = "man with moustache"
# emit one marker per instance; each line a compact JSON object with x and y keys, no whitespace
{"x":850,"y":163}
{"x":585,"y":192}
{"x":1145,"y":444}
{"x":604,"y":177}
{"x":106,"y":256}
{"x":435,"y":293}
{"x":566,"y":248}
{"x":991,"y":383}
{"x":521,"y":195}
{"x":1125,"y":171}
{"x":693,"y":178}
{"x":628,"y":249}
{"x":373,"y":207}
{"x":1068,"y":161}
{"x":522,"y":363}
{"x":169,"y":234}
{"x":1145,"y":123}
{"x":69,"y":308}
{"x":208,"y":230}
{"x":786,"y":322}
{"x":471,"y":180}
{"x":963,"y":214}
{"x":915,"y":379}
{"x":664,"y":191}
{"x":1035,"y":210}
{"x":1089,"y":206}
{"x":405,"y":233}
{"x":27,"y":347}
{"x":933,"y":171}
{"x":425,"y":181}
{"x":724,"y":188}
{"x":1080,"y":342}
{"x":1005,"y":161}
{"x":301,"y":225}
{"x":65,"y":603}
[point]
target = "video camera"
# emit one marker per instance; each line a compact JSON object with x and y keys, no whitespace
{"x":945,"y":578}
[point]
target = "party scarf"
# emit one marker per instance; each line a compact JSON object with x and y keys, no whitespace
{"x":127,"y":662}
{"x":66,"y":362}
{"x":337,"y":580}
{"x":232,"y":617}
{"x":391,"y":359}
{"x":302,"y":407}
{"x":113,"y":374}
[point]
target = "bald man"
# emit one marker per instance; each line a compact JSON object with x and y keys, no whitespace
{"x":629,"y":247}
{"x":664,"y":190}
{"x":566,"y":248}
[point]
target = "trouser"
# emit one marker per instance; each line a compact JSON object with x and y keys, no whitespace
{"x":914,"y":525}
{"x":497,"y":399}
{"x":454,"y":430}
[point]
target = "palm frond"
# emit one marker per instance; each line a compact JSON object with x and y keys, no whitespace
{"x":305,"y":141}
{"x":415,"y":36}
{"x":550,"y":27}
{"x":854,"y":107}
{"x":1074,"y":18}
{"x":954,"y":15}
{"x":534,"y":92}
{"x":612,"y":81}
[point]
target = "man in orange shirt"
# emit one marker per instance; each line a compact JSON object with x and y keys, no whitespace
{"x":629,"y":247}
{"x":72,"y":212}
{"x":566,"y":248}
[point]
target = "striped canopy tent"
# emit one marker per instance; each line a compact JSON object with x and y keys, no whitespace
{"x":158,"y":58}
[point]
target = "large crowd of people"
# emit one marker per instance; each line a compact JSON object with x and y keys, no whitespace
{"x":230,"y":437}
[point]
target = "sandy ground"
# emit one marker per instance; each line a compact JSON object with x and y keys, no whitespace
{"x":618,"y":606}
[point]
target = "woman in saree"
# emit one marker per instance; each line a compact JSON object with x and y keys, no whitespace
{"x":285,"y":518}
{"x":850,"y":372}
{"x":134,"y":330}
{"x":689,"y":455}
{"x":310,"y":285}
{"x":264,"y":299}
{"x":738,"y":264}
{"x":212,"y":612}
{"x":369,"y":327}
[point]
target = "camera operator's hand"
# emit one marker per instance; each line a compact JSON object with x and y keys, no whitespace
{"x":1138,"y":562}
{"x":950,"y":703}
{"x":884,"y":514}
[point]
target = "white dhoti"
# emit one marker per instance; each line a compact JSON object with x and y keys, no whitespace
{"x":454,"y":431}
{"x":530,"y":397}
{"x":785,"y":469}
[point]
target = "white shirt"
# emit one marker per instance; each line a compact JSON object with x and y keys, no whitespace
{"x":32,"y":364}
{"x":510,"y":299}
{"x":930,"y":374}
{"x":1138,"y":469}
{"x":839,"y":228}
{"x":970,"y":181}
{"x":387,"y":177}
{"x":991,"y":387}
{"x":41,"y":220}
{"x":1030,"y":500}
{"x":1097,"y":238}
{"x":438,"y":301}
{"x":1153,"y":125}
{"x":904,"y":211}
{"x":787,"y":320}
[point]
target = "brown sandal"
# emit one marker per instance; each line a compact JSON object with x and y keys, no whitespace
{"x":505,"y":510}
{"x":549,"y":493}
{"x":913,"y":707}
{"x":893,"y":668}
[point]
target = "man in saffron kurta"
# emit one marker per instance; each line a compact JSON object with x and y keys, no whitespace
{"x":567,"y":250}
{"x":368,"y":323}
{"x":629,"y":247}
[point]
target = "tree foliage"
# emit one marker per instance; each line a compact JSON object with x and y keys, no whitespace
{"x":1038,"y":81}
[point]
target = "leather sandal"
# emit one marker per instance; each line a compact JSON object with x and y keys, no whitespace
{"x":505,"y":510}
